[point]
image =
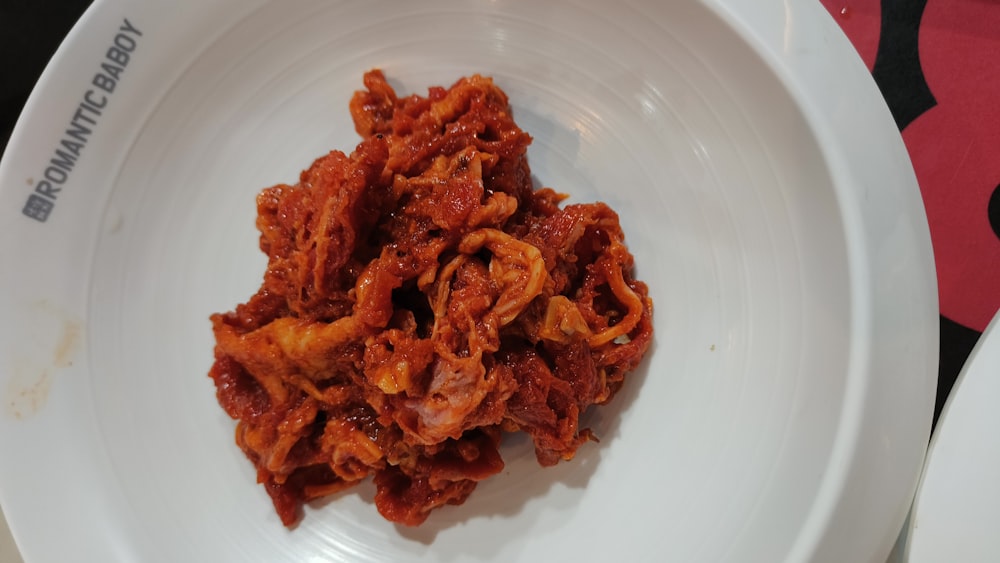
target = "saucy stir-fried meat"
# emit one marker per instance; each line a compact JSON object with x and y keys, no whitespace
{"x":421,"y":299}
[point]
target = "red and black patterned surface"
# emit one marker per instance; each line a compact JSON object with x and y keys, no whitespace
{"x":937,"y":63}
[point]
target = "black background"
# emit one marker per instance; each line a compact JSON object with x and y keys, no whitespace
{"x":30,"y":32}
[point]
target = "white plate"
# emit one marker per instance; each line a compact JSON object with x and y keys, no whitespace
{"x":956,"y":513}
{"x":783,"y":410}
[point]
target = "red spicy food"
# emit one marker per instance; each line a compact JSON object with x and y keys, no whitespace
{"x":421,"y":299}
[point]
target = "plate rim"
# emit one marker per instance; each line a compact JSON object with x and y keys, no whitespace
{"x":735,"y":14}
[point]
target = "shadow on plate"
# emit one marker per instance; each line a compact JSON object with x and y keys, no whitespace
{"x":509,"y":495}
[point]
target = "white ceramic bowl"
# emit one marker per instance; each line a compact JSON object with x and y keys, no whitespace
{"x":782,"y":412}
{"x":957,"y":506}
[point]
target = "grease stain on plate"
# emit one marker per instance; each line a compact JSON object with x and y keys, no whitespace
{"x":113,"y":221}
{"x":27,"y":392}
{"x":69,"y":341}
{"x":31,"y":373}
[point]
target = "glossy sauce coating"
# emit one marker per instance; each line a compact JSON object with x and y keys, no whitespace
{"x":421,"y":299}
